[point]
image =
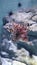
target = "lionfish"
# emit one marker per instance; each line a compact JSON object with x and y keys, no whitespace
{"x":18,"y":31}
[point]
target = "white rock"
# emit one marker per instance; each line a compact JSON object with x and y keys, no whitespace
{"x":18,"y":63}
{"x":8,"y":25}
{"x":35,"y":58}
{"x":33,"y":27}
{"x":13,"y":46}
{"x":4,"y":53}
{"x":21,"y":16}
{"x":34,"y":18}
{"x":29,"y":21}
{"x":6,"y":61}
{"x":9,"y":45}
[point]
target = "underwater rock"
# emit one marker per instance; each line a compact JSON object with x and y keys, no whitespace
{"x":5,"y":20}
{"x":28,"y":47}
{"x":13,"y":46}
{"x":17,"y":62}
{"x":22,"y":16}
{"x":5,"y":44}
{"x":34,"y":18}
{"x":30,"y":22}
{"x":4,"y":54}
{"x":0,"y":61}
{"x":21,"y":54}
{"x":33,"y":28}
{"x":30,"y":10}
{"x":32,"y":35}
{"x":5,"y":34}
{"x":18,"y":16}
{"x":6,"y":61}
{"x":9,"y":45}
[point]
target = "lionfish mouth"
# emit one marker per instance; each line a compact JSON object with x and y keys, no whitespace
{"x":19,"y":31}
